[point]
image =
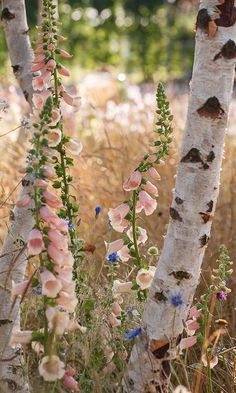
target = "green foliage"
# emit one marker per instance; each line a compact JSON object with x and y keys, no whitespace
{"x":146,"y":37}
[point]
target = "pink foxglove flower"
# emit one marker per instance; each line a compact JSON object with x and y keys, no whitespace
{"x":63,"y":71}
{"x":124,"y":253}
{"x":149,"y":187}
{"x":191,"y":326}
{"x":51,"y":65}
{"x":40,"y":183}
{"x":20,"y":337}
{"x":133,"y":182}
{"x":116,"y":308}
{"x":59,"y":241}
{"x":65,"y":54}
{"x":121,"y":287}
{"x":49,"y":172}
{"x":40,"y":99}
{"x":38,"y":83}
{"x":67,"y":301}
{"x":154,"y":174}
{"x":35,"y":242}
{"x":117,"y":216}
{"x":194,"y":312}
{"x":51,"y":286}
{"x":213,"y":362}
{"x":52,"y":200}
{"x":54,"y":137}
{"x":70,"y":383}
{"x":141,"y":235}
{"x":24,"y":201}
{"x":57,"y":320}
{"x":145,"y":276}
{"x":74,"y":147}
{"x":146,"y":203}
{"x":56,"y":255}
{"x":20,"y":288}
{"x":70,"y":100}
{"x":39,"y":59}
{"x":187,"y":342}
{"x":37,"y":67}
{"x":114,"y":322}
{"x":114,"y":246}
{"x":51,"y":368}
{"x":56,"y":116}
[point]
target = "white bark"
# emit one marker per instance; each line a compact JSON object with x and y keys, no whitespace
{"x":13,"y":258}
{"x":194,"y":202}
{"x":18,"y":43}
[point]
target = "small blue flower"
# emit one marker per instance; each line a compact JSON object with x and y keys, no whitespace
{"x":176,"y":298}
{"x":98,"y":210}
{"x":113,"y":258}
{"x":70,"y":226}
{"x":37,"y":290}
{"x":133,"y":333}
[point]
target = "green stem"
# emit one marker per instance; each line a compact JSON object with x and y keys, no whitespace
{"x":134,"y":228}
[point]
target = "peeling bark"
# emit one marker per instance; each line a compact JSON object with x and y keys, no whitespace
{"x":196,"y":192}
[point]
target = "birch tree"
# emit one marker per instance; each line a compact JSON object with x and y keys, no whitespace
{"x":13,"y":256}
{"x":194,"y":201}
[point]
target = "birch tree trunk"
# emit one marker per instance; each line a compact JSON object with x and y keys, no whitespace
{"x":194,"y":202}
{"x":13,"y":258}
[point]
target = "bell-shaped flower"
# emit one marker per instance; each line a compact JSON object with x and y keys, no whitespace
{"x":145,"y":276}
{"x":19,"y":289}
{"x":133,"y":181}
{"x":141,"y":235}
{"x":51,"y":368}
{"x":124,"y":254}
{"x":56,"y":255}
{"x":23,"y":201}
{"x":187,"y":342}
{"x":40,"y":99}
{"x":212,"y":363}
{"x":35,"y":242}
{"x":63,"y":71}
{"x":117,"y":216}
{"x":146,"y":203}
{"x":59,"y":241}
{"x":154,"y":174}
{"x":57,"y":320}
{"x":50,"y":65}
{"x":121,"y":287}
{"x":114,"y":322}
{"x":67,"y":301}
{"x":52,"y":200}
{"x":149,"y":187}
{"x":114,"y":246}
{"x":73,"y":147}
{"x":70,"y":100}
{"x":51,"y":286}
{"x":53,"y":137}
{"x":70,"y":383}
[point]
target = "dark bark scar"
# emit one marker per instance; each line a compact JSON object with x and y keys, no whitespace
{"x":181,"y":275}
{"x":5,"y":322}
{"x":206,"y":217}
{"x":193,"y":156}
{"x":210,"y":206}
{"x":211,"y":156}
{"x":175,"y":214}
{"x":228,"y":51}
{"x":7,"y":15}
{"x":179,"y":201}
{"x":204,"y":240}
{"x":227,"y":13}
{"x":211,"y":108}
{"x":160,"y":296}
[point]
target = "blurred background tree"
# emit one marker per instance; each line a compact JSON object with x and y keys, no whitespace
{"x":150,"y":39}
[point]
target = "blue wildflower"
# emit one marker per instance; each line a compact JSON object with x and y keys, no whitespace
{"x":113,"y":257}
{"x":98,"y":210}
{"x":176,"y":298}
{"x":133,"y":333}
{"x":70,"y":226}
